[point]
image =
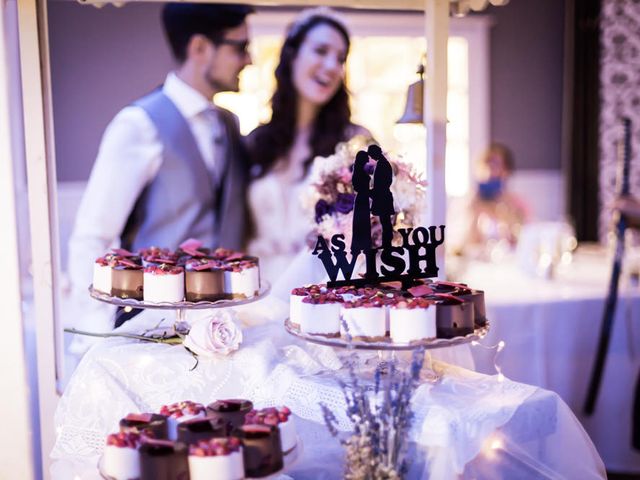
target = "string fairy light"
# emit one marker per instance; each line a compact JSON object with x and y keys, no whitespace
{"x":498,"y":348}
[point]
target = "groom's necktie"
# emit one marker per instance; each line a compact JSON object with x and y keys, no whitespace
{"x":218,"y":147}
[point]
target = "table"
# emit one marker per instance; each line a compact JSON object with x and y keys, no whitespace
{"x":467,"y":424}
{"x":551,"y":330}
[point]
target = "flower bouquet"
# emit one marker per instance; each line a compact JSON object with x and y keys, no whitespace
{"x":330,"y":198}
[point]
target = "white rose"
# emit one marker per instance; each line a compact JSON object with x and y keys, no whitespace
{"x":216,"y":334}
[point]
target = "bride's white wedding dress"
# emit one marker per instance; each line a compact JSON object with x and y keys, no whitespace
{"x":281,"y":223}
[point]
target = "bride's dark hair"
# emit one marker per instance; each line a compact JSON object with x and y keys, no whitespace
{"x":273,"y":140}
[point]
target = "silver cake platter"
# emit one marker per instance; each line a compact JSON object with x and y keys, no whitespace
{"x":387,"y":344}
{"x":265,"y":287}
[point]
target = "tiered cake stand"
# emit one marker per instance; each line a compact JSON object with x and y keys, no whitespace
{"x":180,"y":307}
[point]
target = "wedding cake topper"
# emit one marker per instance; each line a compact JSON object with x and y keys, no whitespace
{"x":412,"y":259}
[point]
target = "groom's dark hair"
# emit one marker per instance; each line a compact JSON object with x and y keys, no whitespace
{"x":183,"y":20}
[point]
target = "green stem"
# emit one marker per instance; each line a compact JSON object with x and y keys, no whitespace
{"x":168,"y":340}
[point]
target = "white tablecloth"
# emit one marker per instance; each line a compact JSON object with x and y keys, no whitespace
{"x":466,"y":424}
{"x":551,"y":330}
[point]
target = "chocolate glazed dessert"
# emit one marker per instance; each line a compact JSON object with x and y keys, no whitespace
{"x":192,"y":431}
{"x":163,"y":460}
{"x":149,"y":424}
{"x":204,"y":280}
{"x":232,"y":412}
{"x":477,"y":298}
{"x":261,"y":449}
{"x":454,"y":316}
{"x":126,"y":281}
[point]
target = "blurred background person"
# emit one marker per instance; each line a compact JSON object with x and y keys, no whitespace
{"x":494,"y":213}
{"x":310,"y":116}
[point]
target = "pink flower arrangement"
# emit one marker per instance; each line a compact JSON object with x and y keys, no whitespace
{"x":329,"y":200}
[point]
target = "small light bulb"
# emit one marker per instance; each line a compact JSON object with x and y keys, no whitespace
{"x":128,"y":309}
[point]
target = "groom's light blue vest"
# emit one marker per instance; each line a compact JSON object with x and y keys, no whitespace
{"x":184,"y":200}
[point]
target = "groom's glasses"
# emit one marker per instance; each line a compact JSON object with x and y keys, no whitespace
{"x":240,"y":46}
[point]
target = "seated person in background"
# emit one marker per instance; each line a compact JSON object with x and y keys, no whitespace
{"x":310,"y":116}
{"x":494,"y":213}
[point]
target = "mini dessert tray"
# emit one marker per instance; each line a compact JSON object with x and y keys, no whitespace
{"x":290,"y":458}
{"x":265,"y":287}
{"x":387,"y":343}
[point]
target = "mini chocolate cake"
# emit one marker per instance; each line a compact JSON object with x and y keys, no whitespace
{"x":126,"y":279}
{"x":204,"y":280}
{"x":477,"y":298}
{"x":230,"y":411}
{"x":149,"y":424}
{"x":205,"y":428}
{"x":261,"y":449}
{"x":462,"y":291}
{"x":163,"y":460}
{"x":454,"y":316}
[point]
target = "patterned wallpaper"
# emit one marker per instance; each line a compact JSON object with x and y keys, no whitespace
{"x":620,"y":96}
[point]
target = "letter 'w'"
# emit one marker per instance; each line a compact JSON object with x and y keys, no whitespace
{"x":341,"y":265}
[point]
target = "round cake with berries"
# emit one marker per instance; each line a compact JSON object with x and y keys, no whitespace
{"x":180,"y":412}
{"x":280,"y":417}
{"x":216,"y":459}
{"x":121,"y":458}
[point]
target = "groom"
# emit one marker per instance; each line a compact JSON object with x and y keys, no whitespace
{"x":381,"y":196}
{"x":171,"y":165}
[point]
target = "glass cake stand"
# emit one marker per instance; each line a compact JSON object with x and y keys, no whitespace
{"x":180,"y":307}
{"x":387,"y":348}
{"x":387,"y":344}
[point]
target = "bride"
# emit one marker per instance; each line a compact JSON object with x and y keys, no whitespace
{"x":310,"y":116}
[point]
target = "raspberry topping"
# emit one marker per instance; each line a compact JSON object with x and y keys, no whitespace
{"x":180,"y":409}
{"x":321,"y":298}
{"x":309,"y":289}
{"x":124,"y":440}
{"x":215,"y":447}
{"x":413,"y":303}
{"x":163,"y":269}
{"x":267,"y":416}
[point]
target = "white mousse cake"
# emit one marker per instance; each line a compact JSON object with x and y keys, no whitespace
{"x":180,"y":412}
{"x":121,"y":459}
{"x":242,"y":278}
{"x":295,"y":301}
{"x":412,"y":319}
{"x":320,"y":314}
{"x":216,"y":459}
{"x":281,"y":417}
{"x":102,"y":275}
{"x":365,"y":318}
{"x":163,"y":283}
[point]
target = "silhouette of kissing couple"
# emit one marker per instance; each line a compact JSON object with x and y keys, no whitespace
{"x":377,"y":201}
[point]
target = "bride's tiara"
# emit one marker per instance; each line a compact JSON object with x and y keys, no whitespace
{"x":308,"y":13}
